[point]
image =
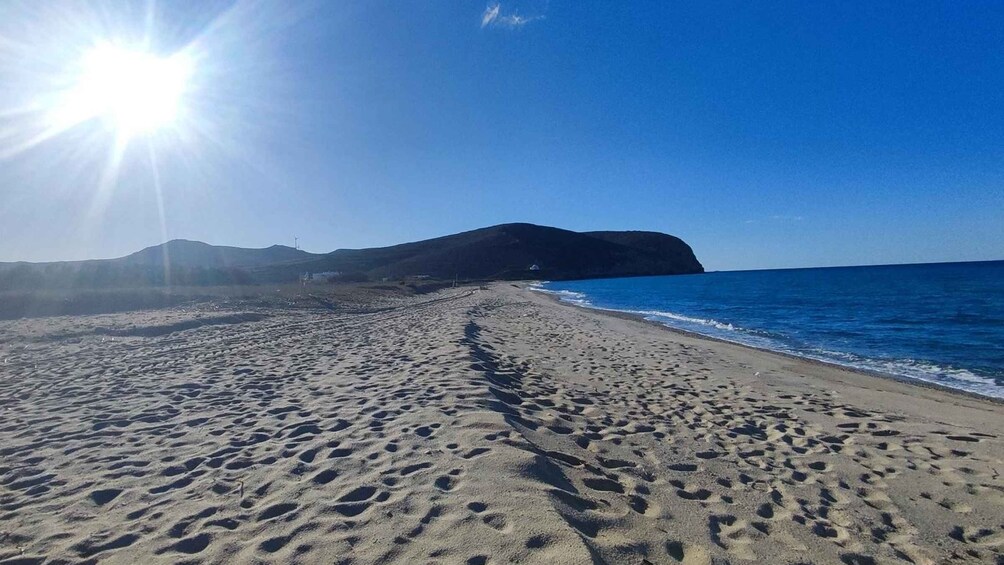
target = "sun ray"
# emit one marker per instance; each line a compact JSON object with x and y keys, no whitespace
{"x":109,"y":177}
{"x":159,"y":195}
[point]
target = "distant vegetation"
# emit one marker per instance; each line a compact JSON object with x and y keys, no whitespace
{"x":505,"y":252}
{"x":108,"y":274}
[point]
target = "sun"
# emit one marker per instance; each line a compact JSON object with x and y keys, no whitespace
{"x":136,"y":92}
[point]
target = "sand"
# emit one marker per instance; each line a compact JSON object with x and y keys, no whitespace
{"x":488,"y":425}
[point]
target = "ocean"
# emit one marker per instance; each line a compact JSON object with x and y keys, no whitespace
{"x":941,"y":323}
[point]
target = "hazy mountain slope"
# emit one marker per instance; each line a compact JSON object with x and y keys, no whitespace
{"x":185,"y":253}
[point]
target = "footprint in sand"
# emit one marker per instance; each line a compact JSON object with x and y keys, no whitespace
{"x":104,"y":496}
{"x":687,"y":554}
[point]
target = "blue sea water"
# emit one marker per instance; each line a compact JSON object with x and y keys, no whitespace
{"x":941,"y":323}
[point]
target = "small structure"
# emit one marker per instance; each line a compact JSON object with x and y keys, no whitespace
{"x":320,"y":277}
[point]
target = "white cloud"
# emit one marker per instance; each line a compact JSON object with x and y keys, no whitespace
{"x":517,"y":20}
{"x":493,"y":16}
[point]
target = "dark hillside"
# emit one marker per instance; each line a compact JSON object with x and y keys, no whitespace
{"x":508,"y":251}
{"x":503,"y":252}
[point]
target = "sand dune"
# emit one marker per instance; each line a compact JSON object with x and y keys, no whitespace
{"x":472,"y":426}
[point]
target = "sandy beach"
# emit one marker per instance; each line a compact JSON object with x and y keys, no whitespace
{"x":472,"y":425}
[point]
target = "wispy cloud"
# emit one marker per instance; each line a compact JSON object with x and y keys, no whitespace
{"x":495,"y":16}
{"x":777,"y":218}
{"x":490,"y":15}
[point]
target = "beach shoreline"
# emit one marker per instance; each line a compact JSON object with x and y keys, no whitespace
{"x":471,"y":425}
{"x":696,"y":335}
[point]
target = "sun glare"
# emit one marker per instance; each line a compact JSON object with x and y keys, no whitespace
{"x":135,"y":91}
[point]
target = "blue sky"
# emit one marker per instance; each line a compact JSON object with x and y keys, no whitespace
{"x":775,"y":135}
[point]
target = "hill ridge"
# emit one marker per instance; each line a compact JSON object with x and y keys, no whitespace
{"x":501,"y":252}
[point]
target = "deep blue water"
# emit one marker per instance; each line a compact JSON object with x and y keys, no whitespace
{"x":942,"y":323}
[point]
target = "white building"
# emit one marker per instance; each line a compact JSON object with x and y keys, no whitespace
{"x":320,"y":277}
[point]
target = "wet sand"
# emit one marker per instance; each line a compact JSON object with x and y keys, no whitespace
{"x":487,"y":425}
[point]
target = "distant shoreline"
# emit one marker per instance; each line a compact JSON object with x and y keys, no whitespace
{"x":869,"y":265}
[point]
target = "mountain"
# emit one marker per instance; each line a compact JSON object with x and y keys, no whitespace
{"x":508,"y":251}
{"x":503,"y":252}
{"x":185,"y":253}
